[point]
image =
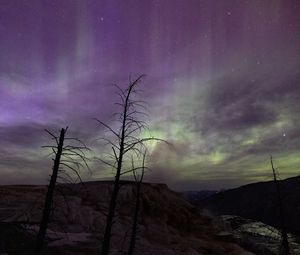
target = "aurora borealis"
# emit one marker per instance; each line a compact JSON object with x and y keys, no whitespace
{"x":222,"y":83}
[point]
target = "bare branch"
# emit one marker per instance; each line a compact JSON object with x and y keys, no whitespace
{"x":141,"y":142}
{"x":74,"y":170}
{"x":115,"y":154}
{"x":133,"y":170}
{"x":107,"y":163}
{"x":77,"y":164}
{"x":49,"y":146}
{"x":53,"y":136}
{"x":108,"y":141}
{"x":107,"y":126}
{"x":77,"y":140}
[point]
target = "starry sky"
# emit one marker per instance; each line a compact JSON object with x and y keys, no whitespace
{"x":222,"y":84}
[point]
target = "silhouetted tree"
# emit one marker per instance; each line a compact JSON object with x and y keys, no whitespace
{"x":284,"y":246}
{"x":64,"y":157}
{"x":126,"y":140}
{"x":138,"y":180}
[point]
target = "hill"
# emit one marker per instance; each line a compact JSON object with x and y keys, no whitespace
{"x":258,"y":201}
{"x":168,"y":224}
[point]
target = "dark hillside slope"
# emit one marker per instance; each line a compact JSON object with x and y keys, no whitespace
{"x":258,"y":201}
{"x":168,"y":225}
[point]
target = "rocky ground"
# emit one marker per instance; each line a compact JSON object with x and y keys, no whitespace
{"x":168,"y":224}
{"x":256,"y":236}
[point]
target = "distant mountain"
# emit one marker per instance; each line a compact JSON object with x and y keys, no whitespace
{"x":195,"y":197}
{"x":258,"y":201}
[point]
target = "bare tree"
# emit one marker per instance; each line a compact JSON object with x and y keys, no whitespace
{"x":284,"y":246}
{"x":126,"y":140}
{"x":138,"y":180}
{"x":65,"y":156}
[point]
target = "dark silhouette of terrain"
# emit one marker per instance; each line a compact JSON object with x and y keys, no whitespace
{"x":195,"y":197}
{"x":167,"y":223}
{"x":259,"y":201}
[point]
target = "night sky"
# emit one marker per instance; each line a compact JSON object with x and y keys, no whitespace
{"x":222,"y":84}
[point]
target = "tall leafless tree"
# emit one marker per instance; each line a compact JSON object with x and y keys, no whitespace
{"x":126,"y":140}
{"x":284,"y":246}
{"x":67,"y":158}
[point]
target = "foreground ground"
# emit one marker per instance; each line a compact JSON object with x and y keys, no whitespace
{"x":167,"y":223}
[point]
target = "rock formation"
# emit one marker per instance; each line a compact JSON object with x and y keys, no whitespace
{"x":167,"y":224}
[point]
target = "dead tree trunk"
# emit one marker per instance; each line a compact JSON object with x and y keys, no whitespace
{"x":49,"y":197}
{"x":139,"y":182}
{"x":135,"y":219}
{"x":116,"y":185}
{"x":284,"y":247}
{"x":110,"y":216}
{"x":126,"y":141}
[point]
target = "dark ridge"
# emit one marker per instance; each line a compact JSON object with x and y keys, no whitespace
{"x":258,"y":201}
